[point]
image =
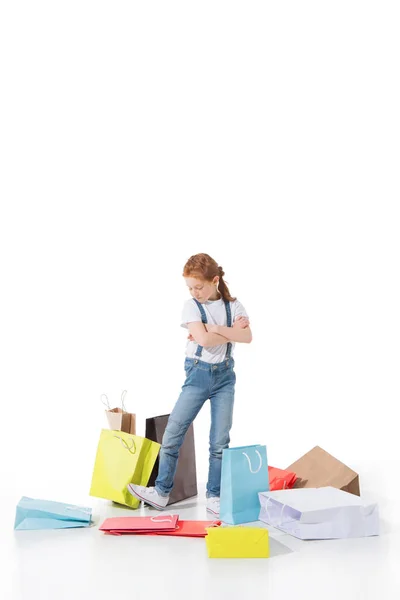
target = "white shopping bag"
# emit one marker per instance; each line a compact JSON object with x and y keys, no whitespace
{"x":319,"y":513}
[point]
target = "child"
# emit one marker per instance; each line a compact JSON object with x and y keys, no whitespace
{"x":215,"y":321}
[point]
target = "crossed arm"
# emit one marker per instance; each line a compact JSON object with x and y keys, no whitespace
{"x":215,"y":335}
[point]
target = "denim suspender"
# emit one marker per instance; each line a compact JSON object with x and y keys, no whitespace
{"x":204,"y":321}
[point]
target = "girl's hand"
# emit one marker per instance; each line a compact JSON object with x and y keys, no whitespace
{"x":241,"y":322}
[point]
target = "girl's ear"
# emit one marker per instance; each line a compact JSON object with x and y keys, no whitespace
{"x":216,"y":279}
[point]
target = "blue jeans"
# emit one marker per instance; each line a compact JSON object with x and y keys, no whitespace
{"x":203,"y":382}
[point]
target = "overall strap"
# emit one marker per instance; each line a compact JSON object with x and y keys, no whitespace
{"x":229,"y":324}
{"x":204,"y":321}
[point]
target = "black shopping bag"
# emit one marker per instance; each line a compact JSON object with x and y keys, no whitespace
{"x":185,"y":482}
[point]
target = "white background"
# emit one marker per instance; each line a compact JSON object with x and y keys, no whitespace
{"x":134,"y":135}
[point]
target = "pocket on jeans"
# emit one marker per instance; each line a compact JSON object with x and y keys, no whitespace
{"x":188,"y":369}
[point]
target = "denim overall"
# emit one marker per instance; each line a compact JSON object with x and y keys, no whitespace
{"x":204,"y":381}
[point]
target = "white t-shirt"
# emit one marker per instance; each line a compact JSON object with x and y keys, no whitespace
{"x":216,"y":315}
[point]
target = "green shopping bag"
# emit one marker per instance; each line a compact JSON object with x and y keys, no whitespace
{"x":121,"y":459}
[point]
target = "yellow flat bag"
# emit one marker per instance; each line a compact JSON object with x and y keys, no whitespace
{"x":237,"y":542}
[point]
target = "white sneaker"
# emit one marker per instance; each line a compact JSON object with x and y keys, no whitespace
{"x":149,"y":495}
{"x":213,"y":506}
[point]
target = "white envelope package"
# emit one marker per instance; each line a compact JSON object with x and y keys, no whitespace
{"x":319,"y":513}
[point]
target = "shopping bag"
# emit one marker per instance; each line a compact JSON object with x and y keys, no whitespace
{"x":280,"y":479}
{"x":119,"y":419}
{"x":122,"y":459}
{"x":46,"y":514}
{"x":319,"y":513}
{"x":185,"y":481}
{"x":317,"y":468}
{"x":237,"y":542}
{"x":118,"y":525}
{"x":244,"y":474}
{"x":196,"y":529}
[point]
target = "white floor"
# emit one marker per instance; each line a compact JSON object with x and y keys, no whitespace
{"x":84,"y":563}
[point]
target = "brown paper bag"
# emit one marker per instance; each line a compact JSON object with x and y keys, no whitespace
{"x":317,"y":469}
{"x":118,"y":418}
{"x":185,"y":482}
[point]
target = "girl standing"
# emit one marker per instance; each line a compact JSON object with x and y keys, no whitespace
{"x":215,"y":321}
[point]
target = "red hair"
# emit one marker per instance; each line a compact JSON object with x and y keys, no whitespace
{"x":202,"y":266}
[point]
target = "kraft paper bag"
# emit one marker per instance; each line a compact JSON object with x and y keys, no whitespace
{"x":185,"y":481}
{"x":119,"y":419}
{"x":318,"y":468}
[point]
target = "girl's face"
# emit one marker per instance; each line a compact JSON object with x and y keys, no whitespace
{"x":203,"y":290}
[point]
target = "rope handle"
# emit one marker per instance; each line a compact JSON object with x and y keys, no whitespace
{"x":276,"y":524}
{"x":123,"y":400}
{"x":277,"y":482}
{"x":106,"y":402}
{"x":249,"y":461}
{"x":123,"y":442}
{"x":216,"y":524}
{"x":158,"y":520}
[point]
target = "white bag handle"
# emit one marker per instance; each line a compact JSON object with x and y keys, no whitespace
{"x":123,"y":400}
{"x":266,"y":509}
{"x":249,"y":461}
{"x":123,"y":442}
{"x":106,"y":402}
{"x":159,"y":520}
{"x":269,"y":516}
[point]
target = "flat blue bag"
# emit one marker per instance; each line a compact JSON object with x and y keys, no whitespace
{"x":244,"y":474}
{"x":45,"y":514}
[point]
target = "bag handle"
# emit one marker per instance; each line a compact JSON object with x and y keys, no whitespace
{"x":123,"y":400}
{"x":216,"y":524}
{"x":249,"y":461}
{"x":106,"y":402}
{"x":277,"y":480}
{"x":159,"y":520}
{"x":123,"y":442}
{"x":276,"y":524}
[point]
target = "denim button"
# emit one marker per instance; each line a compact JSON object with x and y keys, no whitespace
{"x":214,"y":367}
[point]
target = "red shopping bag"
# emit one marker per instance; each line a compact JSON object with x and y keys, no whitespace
{"x":118,"y":525}
{"x":189,"y":529}
{"x":121,"y":526}
{"x":280,"y":479}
